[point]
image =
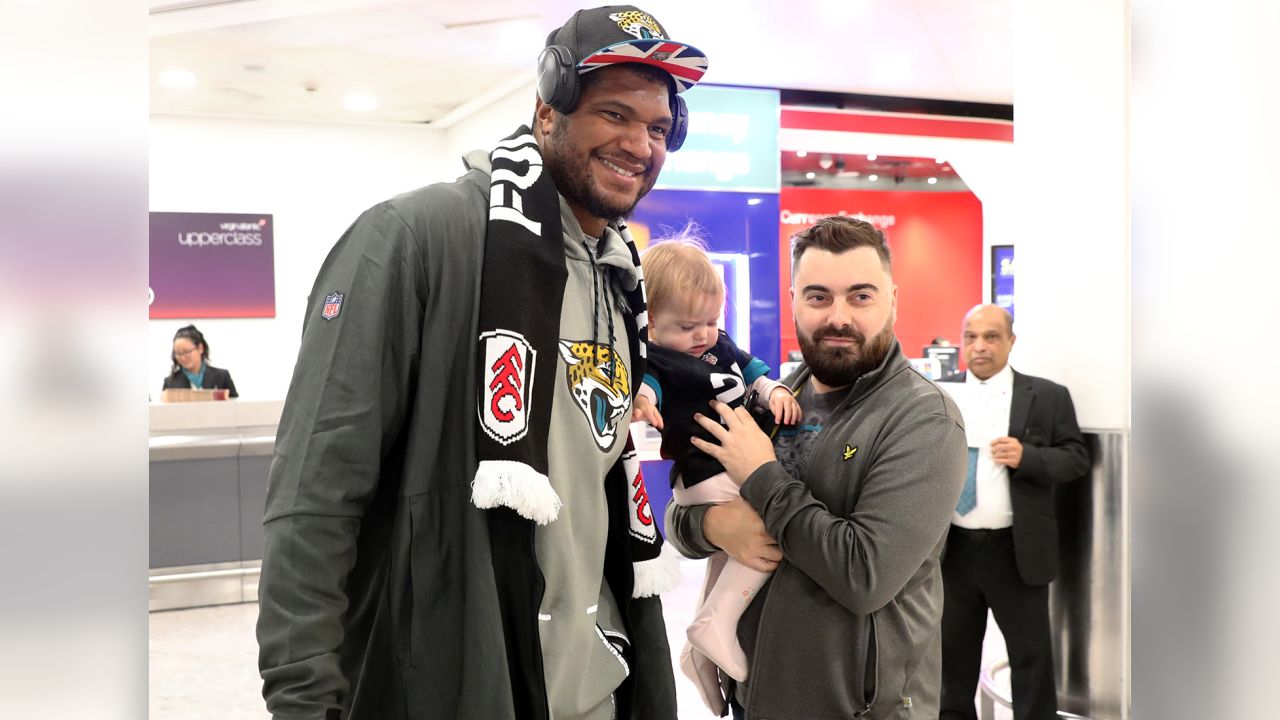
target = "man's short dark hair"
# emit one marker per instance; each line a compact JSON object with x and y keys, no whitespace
{"x":839,"y":233}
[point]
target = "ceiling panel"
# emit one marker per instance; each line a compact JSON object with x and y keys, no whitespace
{"x":422,"y":58}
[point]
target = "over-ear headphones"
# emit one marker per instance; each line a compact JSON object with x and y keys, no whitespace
{"x":679,"y":124}
{"x":558,"y":87}
{"x":558,"y":78}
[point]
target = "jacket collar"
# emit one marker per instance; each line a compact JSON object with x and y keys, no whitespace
{"x":894,"y":362}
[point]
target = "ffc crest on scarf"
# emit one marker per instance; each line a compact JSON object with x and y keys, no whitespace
{"x":521,"y":292}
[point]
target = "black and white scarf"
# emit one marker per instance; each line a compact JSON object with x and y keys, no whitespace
{"x":521,"y":293}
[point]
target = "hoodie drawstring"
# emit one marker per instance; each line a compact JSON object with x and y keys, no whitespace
{"x":596,"y":282}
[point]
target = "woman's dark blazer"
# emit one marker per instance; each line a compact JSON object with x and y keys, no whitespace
{"x":214,"y":379}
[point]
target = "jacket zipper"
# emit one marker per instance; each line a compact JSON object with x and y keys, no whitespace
{"x":870,"y":670}
{"x":755,"y":652}
{"x":868,"y":702}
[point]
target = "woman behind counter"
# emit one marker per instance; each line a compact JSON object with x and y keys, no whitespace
{"x":190,"y":369}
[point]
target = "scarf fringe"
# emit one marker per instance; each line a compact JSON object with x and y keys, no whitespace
{"x":507,"y":483}
{"x":656,"y":576}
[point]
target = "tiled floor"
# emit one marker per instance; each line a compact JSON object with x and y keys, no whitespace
{"x":204,"y":661}
{"x":204,"y":664}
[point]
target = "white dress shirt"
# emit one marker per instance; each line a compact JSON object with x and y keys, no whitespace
{"x":986,"y":417}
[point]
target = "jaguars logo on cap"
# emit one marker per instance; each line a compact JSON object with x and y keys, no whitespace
{"x":638,"y":23}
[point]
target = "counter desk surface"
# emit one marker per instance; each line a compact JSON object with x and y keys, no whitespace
{"x":175,"y":418}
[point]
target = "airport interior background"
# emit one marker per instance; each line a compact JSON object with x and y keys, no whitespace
{"x":932,"y":119}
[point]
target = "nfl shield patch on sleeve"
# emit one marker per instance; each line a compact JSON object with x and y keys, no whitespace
{"x":332,"y":306}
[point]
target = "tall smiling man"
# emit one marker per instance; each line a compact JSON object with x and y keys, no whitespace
{"x":849,"y":510}
{"x":455,"y":527}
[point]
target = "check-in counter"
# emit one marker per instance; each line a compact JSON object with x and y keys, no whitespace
{"x":208,"y":486}
{"x":209,"y":465}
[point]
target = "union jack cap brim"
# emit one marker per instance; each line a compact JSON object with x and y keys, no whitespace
{"x":686,"y":64}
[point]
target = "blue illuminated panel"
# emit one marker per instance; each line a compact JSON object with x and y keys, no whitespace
{"x":741,"y":232}
{"x":1002,"y":268}
{"x":732,"y":142}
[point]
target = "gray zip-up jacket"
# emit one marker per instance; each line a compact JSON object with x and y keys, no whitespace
{"x":849,"y":624}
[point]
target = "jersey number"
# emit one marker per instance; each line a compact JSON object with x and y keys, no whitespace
{"x":729,"y":387}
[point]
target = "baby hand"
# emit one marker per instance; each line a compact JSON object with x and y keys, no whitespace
{"x":644,"y":410}
{"x":786,"y":411}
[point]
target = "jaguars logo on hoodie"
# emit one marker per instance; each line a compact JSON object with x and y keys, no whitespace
{"x":600,"y":386}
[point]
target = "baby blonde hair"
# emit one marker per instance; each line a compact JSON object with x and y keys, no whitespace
{"x":678,"y":273}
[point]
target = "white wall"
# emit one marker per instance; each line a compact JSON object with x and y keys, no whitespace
{"x":490,"y":124}
{"x":1072,"y":203}
{"x":314,"y":179}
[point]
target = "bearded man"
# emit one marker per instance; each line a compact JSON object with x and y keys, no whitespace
{"x":849,"y":511}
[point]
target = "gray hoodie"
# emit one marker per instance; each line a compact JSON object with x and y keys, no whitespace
{"x":578,"y":618}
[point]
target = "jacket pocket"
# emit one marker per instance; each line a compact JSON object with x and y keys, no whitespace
{"x":618,"y":646}
{"x":870,"y":669}
{"x":1035,"y":436}
{"x":400,"y":583}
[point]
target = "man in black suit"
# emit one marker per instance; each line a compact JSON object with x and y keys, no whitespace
{"x":1002,"y":549}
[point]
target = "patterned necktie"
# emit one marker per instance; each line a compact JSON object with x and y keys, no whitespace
{"x":969,"y":496}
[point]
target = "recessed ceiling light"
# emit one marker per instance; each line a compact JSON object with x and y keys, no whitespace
{"x":801,"y":153}
{"x":873,"y":178}
{"x":754,"y":201}
{"x":811,"y":175}
{"x":872,"y":157}
{"x":892,"y":68}
{"x":178,"y":78}
{"x":360,"y":102}
{"x":933,"y":181}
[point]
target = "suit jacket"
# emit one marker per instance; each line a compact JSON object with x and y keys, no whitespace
{"x":1042,"y":418}
{"x":214,"y":379}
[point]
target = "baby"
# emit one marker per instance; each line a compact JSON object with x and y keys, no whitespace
{"x":691,"y":363}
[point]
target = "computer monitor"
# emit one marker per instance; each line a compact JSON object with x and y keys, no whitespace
{"x":948,"y":357}
{"x":927,"y":366}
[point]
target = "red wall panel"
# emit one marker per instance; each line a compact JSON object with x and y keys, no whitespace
{"x":896,"y":124}
{"x":936,"y":241}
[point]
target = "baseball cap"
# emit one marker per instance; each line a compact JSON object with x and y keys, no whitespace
{"x":605,"y":36}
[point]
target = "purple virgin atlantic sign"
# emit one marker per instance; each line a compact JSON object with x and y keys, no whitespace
{"x":212,"y":265}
